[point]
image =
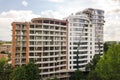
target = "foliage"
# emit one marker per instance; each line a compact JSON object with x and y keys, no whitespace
{"x":5,"y":69}
{"x":92,"y":64}
{"x":9,"y":56}
{"x":107,"y":44}
{"x":19,"y":73}
{"x":0,"y":43}
{"x":90,"y":67}
{"x":7,"y":72}
{"x":2,"y":52}
{"x":78,"y":75}
{"x":2,"y":63}
{"x":5,"y":42}
{"x":93,"y":75}
{"x":48,"y":79}
{"x":32,"y":71}
{"x":55,"y":78}
{"x":108,"y":68}
{"x":28,"y":72}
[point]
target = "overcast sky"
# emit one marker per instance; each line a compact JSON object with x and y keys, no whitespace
{"x":24,"y":10}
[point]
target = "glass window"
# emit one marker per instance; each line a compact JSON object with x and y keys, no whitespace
{"x":99,"y":12}
{"x":74,"y":19}
{"x":74,"y":24}
{"x":82,"y":21}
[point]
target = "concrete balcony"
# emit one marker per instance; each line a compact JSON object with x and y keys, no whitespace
{"x":35,"y":51}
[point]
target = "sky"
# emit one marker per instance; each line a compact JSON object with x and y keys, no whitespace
{"x":25,"y":10}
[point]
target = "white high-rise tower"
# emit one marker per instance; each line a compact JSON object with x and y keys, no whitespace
{"x":85,"y":37}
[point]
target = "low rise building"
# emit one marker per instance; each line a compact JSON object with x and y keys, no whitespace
{"x":5,"y":48}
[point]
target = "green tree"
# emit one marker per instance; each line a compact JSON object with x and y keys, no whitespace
{"x":90,"y":68}
{"x":9,"y":56}
{"x":106,"y":46}
{"x":93,"y":75}
{"x":7,"y":71}
{"x":3,"y":52}
{"x":108,"y":68}
{"x":28,"y":72}
{"x":19,"y":73}
{"x":48,"y":79}
{"x":2,"y":63}
{"x":55,"y":78}
{"x":78,"y":75}
{"x":32,"y":71}
{"x":92,"y":64}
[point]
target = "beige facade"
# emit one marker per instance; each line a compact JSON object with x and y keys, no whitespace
{"x":43,"y":40}
{"x":4,"y":56}
{"x":5,"y":48}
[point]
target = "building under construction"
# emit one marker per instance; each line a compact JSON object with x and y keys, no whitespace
{"x":85,"y":37}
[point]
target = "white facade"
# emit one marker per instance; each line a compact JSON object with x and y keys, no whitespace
{"x":96,"y":17}
{"x":82,"y":29}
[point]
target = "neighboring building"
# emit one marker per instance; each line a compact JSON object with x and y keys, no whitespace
{"x":80,"y":31}
{"x":4,"y":56}
{"x":96,"y":17}
{"x":5,"y":48}
{"x":43,"y":40}
{"x":85,"y":37}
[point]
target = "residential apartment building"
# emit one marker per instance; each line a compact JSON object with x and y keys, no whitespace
{"x":57,"y":46}
{"x":4,"y":56}
{"x":85,"y":37}
{"x":96,"y":16}
{"x":5,"y":48}
{"x":43,"y":40}
{"x":80,"y":33}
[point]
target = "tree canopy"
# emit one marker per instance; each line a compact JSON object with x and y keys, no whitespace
{"x":28,"y":72}
{"x":77,"y":75}
{"x":108,"y":67}
{"x":19,"y":73}
{"x":2,"y":63}
{"x":92,"y":64}
{"x":32,"y":71}
{"x":5,"y":69}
